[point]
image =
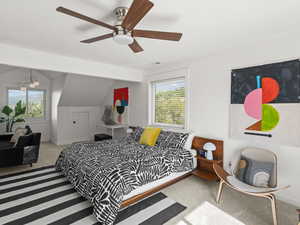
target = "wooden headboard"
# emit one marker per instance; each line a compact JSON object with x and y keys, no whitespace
{"x":198,"y":143}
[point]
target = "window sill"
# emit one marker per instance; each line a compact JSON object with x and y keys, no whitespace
{"x":176,"y":128}
{"x":36,"y":120}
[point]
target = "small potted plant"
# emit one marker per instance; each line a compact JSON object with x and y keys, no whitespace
{"x":12,"y":116}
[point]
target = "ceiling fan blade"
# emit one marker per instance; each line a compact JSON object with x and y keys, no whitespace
{"x":135,"y":47}
{"x":99,"y":38}
{"x":136,"y":13}
{"x":169,"y":36}
{"x":83,"y":17}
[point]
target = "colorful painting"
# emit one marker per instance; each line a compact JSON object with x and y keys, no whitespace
{"x":121,"y":97}
{"x":265,"y":102}
{"x":120,"y":105}
{"x":256,"y":104}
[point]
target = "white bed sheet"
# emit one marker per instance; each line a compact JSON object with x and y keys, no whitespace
{"x":153,"y":184}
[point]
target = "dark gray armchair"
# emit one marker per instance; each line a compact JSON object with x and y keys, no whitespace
{"x":26,"y":151}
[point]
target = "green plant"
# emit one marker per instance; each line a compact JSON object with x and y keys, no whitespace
{"x":170,"y":106}
{"x":13,"y":116}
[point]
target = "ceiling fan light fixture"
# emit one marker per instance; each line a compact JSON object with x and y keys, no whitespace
{"x":123,"y":38}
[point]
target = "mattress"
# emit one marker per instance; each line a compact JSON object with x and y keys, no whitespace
{"x":156,"y":183}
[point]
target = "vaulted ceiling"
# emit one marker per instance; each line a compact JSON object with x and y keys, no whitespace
{"x":209,"y":27}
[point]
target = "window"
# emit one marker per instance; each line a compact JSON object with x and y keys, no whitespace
{"x":168,"y":102}
{"x":33,"y":99}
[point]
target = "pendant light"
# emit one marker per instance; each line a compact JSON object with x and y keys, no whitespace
{"x":31,"y":83}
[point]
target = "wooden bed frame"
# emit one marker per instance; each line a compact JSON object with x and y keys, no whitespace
{"x":145,"y":194}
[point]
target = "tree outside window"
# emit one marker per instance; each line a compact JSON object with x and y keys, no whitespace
{"x":169,"y":102}
{"x":33,"y":99}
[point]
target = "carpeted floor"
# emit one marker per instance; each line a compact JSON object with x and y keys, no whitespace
{"x":192,"y":192}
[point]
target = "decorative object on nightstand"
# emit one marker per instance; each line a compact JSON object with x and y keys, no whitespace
{"x":204,"y":168}
{"x":209,"y":148}
{"x":202,"y":153}
{"x":298,"y":210}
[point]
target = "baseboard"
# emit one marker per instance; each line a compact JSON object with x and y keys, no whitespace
{"x":70,"y":141}
{"x":53,"y":140}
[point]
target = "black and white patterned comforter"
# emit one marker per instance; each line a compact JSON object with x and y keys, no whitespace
{"x":103,"y":172}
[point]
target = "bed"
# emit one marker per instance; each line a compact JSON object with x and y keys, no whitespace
{"x":115,"y":173}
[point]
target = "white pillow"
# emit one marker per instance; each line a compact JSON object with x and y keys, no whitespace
{"x":18,"y":133}
{"x":189,"y":141}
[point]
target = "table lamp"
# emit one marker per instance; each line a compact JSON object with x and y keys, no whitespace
{"x":209,"y":147}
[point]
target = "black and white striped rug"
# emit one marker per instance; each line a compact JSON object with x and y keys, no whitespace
{"x":43,"y":196}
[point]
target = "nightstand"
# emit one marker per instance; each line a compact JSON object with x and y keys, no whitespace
{"x":205,"y":168}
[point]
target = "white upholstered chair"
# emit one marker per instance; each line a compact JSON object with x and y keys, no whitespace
{"x":231,"y":180}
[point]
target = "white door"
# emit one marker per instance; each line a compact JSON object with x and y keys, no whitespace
{"x":80,"y":125}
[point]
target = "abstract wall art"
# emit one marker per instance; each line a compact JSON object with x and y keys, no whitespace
{"x":265,"y":103}
{"x":120,"y":105}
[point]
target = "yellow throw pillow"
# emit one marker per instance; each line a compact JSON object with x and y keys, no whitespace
{"x":149,"y":136}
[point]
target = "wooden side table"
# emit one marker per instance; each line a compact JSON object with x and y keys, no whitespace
{"x":205,"y":168}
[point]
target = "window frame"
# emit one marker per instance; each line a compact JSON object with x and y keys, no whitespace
{"x":169,"y":76}
{"x":30,"y":89}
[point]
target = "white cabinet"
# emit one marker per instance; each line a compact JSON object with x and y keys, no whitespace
{"x":80,"y":126}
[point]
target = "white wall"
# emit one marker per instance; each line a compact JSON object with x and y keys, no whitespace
{"x":210,"y":100}
{"x":77,"y":94}
{"x":84,"y":90}
{"x":138,"y":104}
{"x":56,"y":92}
{"x":65,"y":132}
{"x":10,"y":78}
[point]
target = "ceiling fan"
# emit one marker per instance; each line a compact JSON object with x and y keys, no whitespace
{"x":123,"y":31}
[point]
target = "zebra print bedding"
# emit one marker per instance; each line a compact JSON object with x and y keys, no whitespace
{"x":103,"y":172}
{"x":169,"y":139}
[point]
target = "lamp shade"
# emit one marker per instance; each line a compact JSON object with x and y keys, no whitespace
{"x":209,"y":146}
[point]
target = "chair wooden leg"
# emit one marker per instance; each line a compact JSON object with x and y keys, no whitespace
{"x":274,"y":209}
{"x":221,"y":186}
